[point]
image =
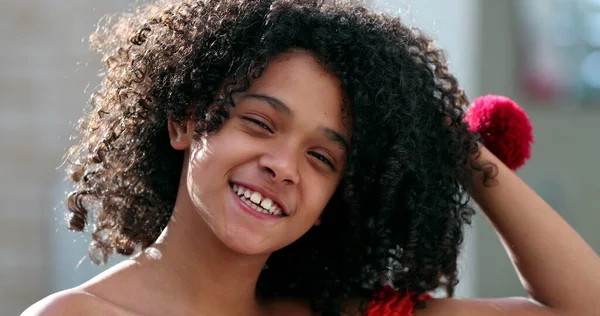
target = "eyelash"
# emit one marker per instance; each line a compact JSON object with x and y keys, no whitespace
{"x":259,"y":123}
{"x":312,"y":153}
{"x":323,"y":159}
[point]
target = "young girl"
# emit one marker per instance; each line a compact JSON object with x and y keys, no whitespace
{"x":295,"y":157}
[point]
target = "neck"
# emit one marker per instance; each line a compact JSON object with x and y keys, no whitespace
{"x":200,"y":271}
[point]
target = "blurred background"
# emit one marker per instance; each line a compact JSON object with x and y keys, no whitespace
{"x":545,"y":54}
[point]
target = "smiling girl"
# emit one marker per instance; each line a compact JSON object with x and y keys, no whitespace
{"x":293,"y":158}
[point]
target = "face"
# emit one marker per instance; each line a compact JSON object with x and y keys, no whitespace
{"x":263,"y":179}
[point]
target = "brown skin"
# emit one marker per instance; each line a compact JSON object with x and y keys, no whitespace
{"x":208,"y":259}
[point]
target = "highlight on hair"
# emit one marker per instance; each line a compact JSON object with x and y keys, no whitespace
{"x":398,"y":214}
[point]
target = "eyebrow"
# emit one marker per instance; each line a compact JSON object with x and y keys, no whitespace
{"x":279,"y":106}
{"x":335,"y":136}
{"x":275,"y":103}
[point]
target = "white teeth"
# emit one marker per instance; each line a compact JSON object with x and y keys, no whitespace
{"x":255,"y":207}
{"x":256,"y":197}
{"x":266,"y":203}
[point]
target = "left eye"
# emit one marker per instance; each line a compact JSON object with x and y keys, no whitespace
{"x":323,"y":159}
{"x":259,"y":123}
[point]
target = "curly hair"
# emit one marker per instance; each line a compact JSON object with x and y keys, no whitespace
{"x":398,"y":214}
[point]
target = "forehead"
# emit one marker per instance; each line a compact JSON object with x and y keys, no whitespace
{"x":300,"y":82}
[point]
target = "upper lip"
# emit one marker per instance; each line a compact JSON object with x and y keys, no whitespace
{"x":265,"y":193}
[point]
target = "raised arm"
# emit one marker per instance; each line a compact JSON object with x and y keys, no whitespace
{"x":559,"y":270}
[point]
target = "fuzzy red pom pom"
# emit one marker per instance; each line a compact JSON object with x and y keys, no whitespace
{"x":388,"y":302}
{"x":504,"y":127}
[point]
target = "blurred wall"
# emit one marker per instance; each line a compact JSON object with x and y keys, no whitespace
{"x":43,"y":74}
{"x":564,"y":165}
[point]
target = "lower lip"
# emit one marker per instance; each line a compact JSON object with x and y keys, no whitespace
{"x":248,"y":209}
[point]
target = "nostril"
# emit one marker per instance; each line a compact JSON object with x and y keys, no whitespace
{"x":270,"y":171}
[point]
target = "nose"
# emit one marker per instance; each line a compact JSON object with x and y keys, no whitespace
{"x":280,"y":165}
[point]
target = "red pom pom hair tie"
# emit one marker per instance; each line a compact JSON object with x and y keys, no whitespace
{"x":504,"y":127}
{"x":389,"y":302}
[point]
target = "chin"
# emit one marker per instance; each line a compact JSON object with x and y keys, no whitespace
{"x":248,"y":243}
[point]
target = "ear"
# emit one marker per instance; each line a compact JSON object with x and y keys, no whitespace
{"x":181,"y":134}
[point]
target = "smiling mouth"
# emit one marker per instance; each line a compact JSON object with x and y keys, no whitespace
{"x":256,"y":201}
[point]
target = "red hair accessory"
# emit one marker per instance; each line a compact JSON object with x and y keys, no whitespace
{"x":389,"y":302}
{"x":504,"y":127}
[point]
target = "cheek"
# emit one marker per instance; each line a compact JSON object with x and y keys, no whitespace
{"x":208,"y":157}
{"x":199,"y":166}
{"x":210,"y":160}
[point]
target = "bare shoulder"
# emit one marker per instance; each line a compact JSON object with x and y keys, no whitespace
{"x":508,"y":306}
{"x":68,"y":302}
{"x":73,"y":302}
